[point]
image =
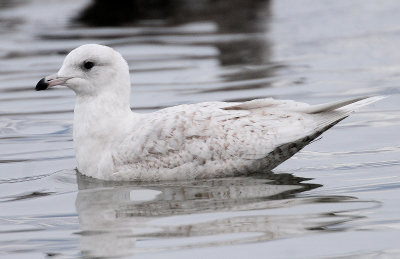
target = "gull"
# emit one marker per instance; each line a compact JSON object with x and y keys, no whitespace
{"x":189,"y":141}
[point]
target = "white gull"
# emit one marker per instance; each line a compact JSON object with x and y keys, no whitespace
{"x":191,"y":141}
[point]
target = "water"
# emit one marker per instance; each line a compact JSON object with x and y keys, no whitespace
{"x":339,"y":197}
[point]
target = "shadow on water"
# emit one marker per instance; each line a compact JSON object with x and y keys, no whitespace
{"x":147,"y":217}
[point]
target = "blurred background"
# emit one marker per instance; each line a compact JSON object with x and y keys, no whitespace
{"x":337,"y":198}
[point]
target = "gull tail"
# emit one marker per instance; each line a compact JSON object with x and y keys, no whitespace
{"x":349,"y":105}
{"x":327,"y":116}
{"x":332,"y":113}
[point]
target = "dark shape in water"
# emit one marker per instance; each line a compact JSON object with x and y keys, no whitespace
{"x":243,"y":22}
{"x":120,"y":12}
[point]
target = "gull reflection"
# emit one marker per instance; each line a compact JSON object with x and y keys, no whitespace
{"x":126,"y":218}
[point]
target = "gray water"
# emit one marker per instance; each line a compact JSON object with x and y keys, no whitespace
{"x":339,"y":197}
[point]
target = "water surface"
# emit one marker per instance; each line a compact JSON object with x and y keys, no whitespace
{"x":337,"y":198}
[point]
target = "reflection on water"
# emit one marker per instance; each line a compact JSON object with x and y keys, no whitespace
{"x":239,"y":18}
{"x":134,"y":218}
{"x":238,"y":28}
{"x":235,"y":15}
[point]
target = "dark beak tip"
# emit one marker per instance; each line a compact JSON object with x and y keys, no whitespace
{"x":41,"y":85}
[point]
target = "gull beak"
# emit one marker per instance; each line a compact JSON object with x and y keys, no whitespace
{"x":50,"y":81}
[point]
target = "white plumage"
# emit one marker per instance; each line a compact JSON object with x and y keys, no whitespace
{"x":211,"y":139}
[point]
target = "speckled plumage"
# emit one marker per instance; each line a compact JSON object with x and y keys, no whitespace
{"x":211,"y":139}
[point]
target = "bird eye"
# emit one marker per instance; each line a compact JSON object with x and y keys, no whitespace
{"x":88,"y":64}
